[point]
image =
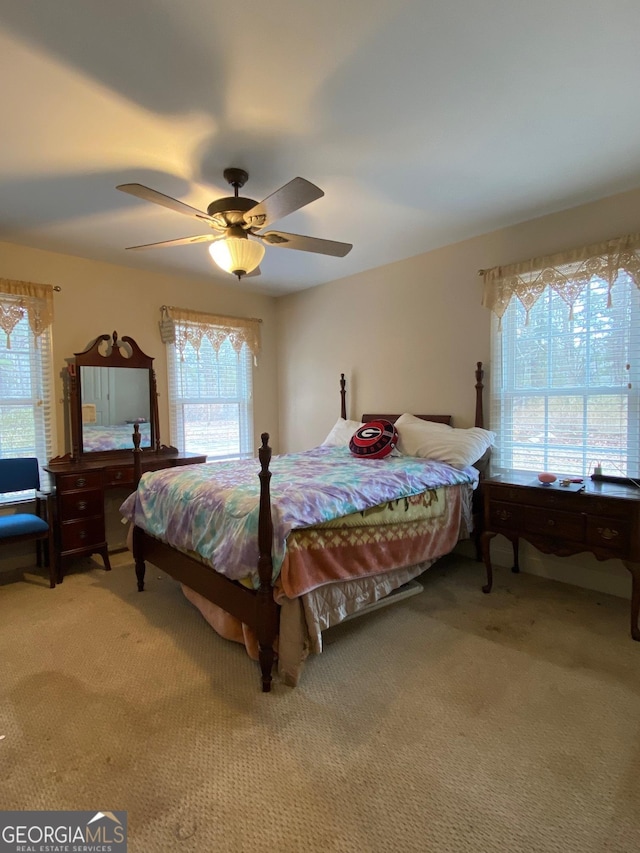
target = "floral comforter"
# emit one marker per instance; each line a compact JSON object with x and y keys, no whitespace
{"x":113,"y":437}
{"x":212,"y":509}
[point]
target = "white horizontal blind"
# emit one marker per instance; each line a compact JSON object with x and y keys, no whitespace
{"x":27,"y":418}
{"x":210,"y":399}
{"x":564,"y":389}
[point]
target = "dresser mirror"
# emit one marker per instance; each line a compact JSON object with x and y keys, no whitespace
{"x":113,"y":399}
{"x":112,"y":390}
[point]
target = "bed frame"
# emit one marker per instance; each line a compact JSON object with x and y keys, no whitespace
{"x":256,"y":608}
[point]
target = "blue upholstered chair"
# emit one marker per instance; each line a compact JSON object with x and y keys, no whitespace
{"x":17,"y":475}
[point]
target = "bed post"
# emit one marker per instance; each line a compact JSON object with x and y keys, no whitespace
{"x":138,"y":549}
{"x":267,"y":609}
{"x":343,"y":395}
{"x":137,"y":461}
{"x":482,"y":465}
{"x":479,"y":390}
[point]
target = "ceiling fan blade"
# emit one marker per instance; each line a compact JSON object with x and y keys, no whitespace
{"x":256,"y":271}
{"x":147,"y":194}
{"x":181,"y":241}
{"x":290,"y":197}
{"x":306,"y":244}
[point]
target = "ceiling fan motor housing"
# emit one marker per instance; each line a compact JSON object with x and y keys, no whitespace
{"x":230,"y":211}
{"x":232,"y":207}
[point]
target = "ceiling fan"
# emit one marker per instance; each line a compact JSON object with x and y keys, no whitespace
{"x":238,"y":237}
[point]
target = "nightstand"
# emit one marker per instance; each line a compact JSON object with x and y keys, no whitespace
{"x":603,"y":519}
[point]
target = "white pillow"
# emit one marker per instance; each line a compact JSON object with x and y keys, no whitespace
{"x":429,"y":440}
{"x":341,"y":433}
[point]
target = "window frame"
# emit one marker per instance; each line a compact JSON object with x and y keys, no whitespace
{"x":243,"y":399}
{"x":39,"y":351}
{"x":504,"y":389}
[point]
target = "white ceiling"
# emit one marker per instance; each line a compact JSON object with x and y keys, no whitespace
{"x":424,"y":121}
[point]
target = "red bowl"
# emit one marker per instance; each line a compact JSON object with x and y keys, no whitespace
{"x":546,"y":479}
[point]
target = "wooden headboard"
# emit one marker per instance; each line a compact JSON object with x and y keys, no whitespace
{"x":481,"y":464}
{"x":440,"y":419}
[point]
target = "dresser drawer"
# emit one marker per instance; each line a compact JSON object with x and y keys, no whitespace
{"x":82,"y":534}
{"x":84,"y":480}
{"x":554,"y":524}
{"x":611,"y":508}
{"x":504,"y":515}
{"x":613,"y":534}
{"x":550,"y":497}
{"x":122,"y":476}
{"x":80,"y":504}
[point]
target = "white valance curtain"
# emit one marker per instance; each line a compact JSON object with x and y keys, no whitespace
{"x":24,"y":298}
{"x":181,"y":326}
{"x":567,"y":273}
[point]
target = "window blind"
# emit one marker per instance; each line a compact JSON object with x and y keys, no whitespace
{"x":27,"y":417}
{"x":564,"y":384}
{"x":211,"y":398}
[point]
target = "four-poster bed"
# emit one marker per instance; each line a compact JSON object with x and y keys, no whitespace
{"x":436,"y":521}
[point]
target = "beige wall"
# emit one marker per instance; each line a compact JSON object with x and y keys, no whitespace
{"x":408,"y":336}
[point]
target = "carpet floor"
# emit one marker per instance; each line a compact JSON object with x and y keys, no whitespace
{"x":450,"y":722}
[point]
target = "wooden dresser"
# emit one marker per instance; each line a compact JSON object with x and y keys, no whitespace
{"x":603,"y":519}
{"x":79,"y":499}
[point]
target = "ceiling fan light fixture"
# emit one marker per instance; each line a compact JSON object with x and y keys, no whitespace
{"x":237,"y":254}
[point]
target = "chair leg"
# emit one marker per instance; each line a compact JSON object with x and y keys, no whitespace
{"x":50,"y":559}
{"x":42,"y":511}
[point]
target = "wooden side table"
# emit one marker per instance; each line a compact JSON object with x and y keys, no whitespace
{"x":603,"y":519}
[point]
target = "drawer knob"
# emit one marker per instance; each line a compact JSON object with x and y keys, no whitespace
{"x":607,"y":533}
{"x":82,"y":534}
{"x":503,"y":514}
{"x":82,"y":505}
{"x":550,"y":522}
{"x":81,"y":481}
{"x":118,"y":475}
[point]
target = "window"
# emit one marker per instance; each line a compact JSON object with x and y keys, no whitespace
{"x":26,"y":382}
{"x":210,"y":362}
{"x":565,"y":365}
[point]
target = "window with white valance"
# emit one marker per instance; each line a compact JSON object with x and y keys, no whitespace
{"x":210,"y":364}
{"x":27,"y":421}
{"x":24,"y":300}
{"x":565,"y":360}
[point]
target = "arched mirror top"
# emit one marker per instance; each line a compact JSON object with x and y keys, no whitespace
{"x":111,"y":351}
{"x":112,"y":389}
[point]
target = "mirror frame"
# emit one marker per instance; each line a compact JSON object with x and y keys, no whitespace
{"x":121,"y":353}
